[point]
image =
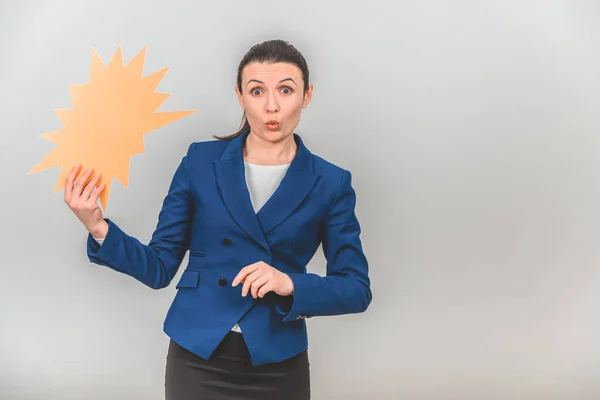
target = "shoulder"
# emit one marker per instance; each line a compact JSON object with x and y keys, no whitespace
{"x":326,"y":167}
{"x":332,"y":174}
{"x":206,"y":148}
{"x":202,"y":153}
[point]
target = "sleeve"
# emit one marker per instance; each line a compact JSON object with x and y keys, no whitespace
{"x":346,"y":287}
{"x":156,"y":263}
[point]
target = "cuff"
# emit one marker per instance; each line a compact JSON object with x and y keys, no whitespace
{"x":98,"y":251}
{"x":290,"y":307}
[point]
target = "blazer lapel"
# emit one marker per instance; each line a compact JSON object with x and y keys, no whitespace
{"x":295,"y":186}
{"x":297,"y":183}
{"x":231,"y":181}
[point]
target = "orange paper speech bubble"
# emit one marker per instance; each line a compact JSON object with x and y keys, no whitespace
{"x":107,"y":123}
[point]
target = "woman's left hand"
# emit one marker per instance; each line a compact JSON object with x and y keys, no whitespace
{"x":260,"y":278}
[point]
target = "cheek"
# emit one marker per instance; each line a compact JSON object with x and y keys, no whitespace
{"x":252,"y":109}
{"x":295,"y":113}
{"x":294,"y":107}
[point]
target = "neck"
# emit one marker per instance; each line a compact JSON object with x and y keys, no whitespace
{"x":263,"y":152}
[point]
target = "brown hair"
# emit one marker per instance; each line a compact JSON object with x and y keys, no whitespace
{"x":271,"y":51}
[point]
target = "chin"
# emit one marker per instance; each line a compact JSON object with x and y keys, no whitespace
{"x":274,"y":136}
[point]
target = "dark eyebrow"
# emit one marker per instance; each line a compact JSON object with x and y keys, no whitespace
{"x":261,"y":82}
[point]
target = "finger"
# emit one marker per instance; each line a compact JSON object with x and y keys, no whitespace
{"x":248,"y":281}
{"x":81,"y":182}
{"x":257,"y":284}
{"x":239,"y":277}
{"x":96,"y":193}
{"x":268,"y":287}
{"x":70,"y":181}
{"x":90,"y":187}
{"x":243,"y":272}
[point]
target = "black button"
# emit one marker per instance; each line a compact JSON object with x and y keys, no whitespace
{"x":227,"y":241}
{"x":222,"y":282}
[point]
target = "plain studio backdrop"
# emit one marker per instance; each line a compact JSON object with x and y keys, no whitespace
{"x":471,"y":129}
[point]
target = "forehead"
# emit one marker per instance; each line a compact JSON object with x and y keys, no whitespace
{"x":271,"y":72}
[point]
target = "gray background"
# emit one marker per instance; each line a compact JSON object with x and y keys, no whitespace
{"x":471,"y":130}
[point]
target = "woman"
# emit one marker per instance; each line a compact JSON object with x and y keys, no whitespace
{"x":252,"y":208}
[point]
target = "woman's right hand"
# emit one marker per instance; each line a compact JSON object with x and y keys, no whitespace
{"x":81,"y":199}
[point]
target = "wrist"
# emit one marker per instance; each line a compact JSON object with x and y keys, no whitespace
{"x":291,"y":285}
{"x":100,"y":230}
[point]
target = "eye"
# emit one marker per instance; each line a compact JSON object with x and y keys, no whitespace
{"x":253,"y":91}
{"x":289,"y":90}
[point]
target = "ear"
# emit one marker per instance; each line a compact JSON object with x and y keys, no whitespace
{"x":307,"y":96}
{"x":239,"y":97}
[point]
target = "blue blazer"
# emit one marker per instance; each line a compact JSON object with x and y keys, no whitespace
{"x":208,"y":211}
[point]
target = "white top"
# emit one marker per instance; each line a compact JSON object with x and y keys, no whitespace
{"x":262,"y":181}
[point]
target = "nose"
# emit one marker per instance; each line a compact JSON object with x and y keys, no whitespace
{"x":272,"y":104}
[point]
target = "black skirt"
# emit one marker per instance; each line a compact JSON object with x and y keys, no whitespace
{"x":229,"y":374}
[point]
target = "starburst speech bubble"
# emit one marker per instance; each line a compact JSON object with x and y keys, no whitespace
{"x":108,"y":120}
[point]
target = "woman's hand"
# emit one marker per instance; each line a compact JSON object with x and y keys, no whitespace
{"x":82,"y":201}
{"x":260,"y":278}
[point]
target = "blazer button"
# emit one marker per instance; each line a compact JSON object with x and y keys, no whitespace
{"x":222,"y":282}
{"x":227,"y":241}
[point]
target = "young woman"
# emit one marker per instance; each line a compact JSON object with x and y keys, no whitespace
{"x":252,"y":209}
